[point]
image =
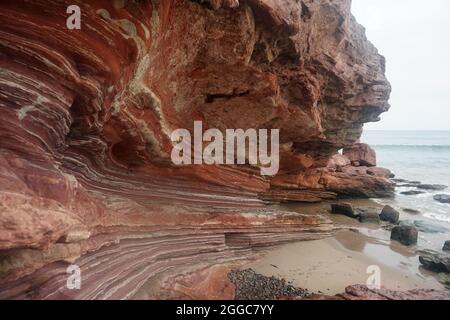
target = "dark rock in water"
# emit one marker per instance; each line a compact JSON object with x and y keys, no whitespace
{"x":345,"y":209}
{"x":435,"y":187}
{"x":399,"y":180}
{"x":446,"y":246}
{"x":435,"y":261}
{"x":429,"y":227}
{"x":406,"y":235}
{"x":389,"y":214}
{"x":411,"y":211}
{"x":444,"y":278}
{"x":369,"y":217}
{"x":392,"y":175}
{"x":442,"y":198}
{"x":412,"y":193}
{"x":407,"y":185}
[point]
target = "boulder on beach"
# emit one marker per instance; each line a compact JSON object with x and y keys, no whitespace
{"x":345,"y":209}
{"x":405,"y":234}
{"x":434,"y":187}
{"x":435,"y":261}
{"x":446,"y":246}
{"x":412,"y":193}
{"x":368,"y":216}
{"x":442,"y":198}
{"x":389,"y":214}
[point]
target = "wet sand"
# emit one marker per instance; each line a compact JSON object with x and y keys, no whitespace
{"x":427,"y":240}
{"x":330,"y":265}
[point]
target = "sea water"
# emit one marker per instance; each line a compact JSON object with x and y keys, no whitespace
{"x":416,"y":156}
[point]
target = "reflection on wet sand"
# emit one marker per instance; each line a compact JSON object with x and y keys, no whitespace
{"x":332,"y":264}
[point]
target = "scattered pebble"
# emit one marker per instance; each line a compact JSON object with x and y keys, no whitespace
{"x":253,"y":286}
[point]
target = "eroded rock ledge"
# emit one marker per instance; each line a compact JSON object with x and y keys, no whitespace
{"x":86,"y":117}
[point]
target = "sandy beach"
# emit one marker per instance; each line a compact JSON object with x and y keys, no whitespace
{"x":330,"y":265}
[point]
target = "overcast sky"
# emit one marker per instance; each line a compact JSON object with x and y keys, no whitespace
{"x":414,"y":36}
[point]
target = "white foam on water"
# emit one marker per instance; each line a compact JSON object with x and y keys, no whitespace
{"x":438,"y":217}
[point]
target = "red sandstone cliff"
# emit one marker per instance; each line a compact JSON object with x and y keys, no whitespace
{"x":86,"y":117}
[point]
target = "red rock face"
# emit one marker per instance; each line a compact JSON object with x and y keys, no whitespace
{"x":86,"y":117}
{"x":361,"y":154}
{"x":360,"y":292}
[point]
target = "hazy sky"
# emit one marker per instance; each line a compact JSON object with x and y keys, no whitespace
{"x":414,"y":36}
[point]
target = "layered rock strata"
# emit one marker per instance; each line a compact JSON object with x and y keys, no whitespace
{"x":360,"y":292}
{"x":86,"y":117}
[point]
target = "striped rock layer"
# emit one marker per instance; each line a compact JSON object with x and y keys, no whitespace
{"x":86,"y":117}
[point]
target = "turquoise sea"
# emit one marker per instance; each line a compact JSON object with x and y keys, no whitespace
{"x":416,"y":156}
